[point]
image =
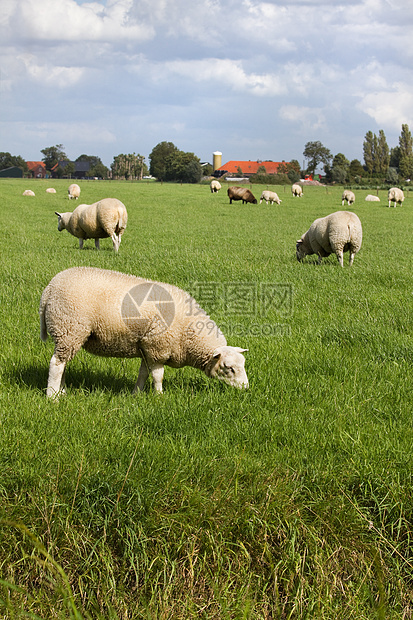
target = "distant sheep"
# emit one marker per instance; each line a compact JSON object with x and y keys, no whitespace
{"x":336,"y":233}
{"x":297,"y":190}
{"x":73,"y":191}
{"x":371,"y":198}
{"x":270,"y":197}
{"x":241,"y":193}
{"x":395,"y":195}
{"x":50,"y":190}
{"x":28,"y":192}
{"x":106,"y":218}
{"x":112,"y":314}
{"x":348,"y":196}
{"x":215,"y":186}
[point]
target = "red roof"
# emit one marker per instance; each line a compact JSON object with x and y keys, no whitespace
{"x":251,"y":167}
{"x":35,"y":164}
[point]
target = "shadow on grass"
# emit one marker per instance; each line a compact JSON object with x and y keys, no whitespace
{"x":33,"y":377}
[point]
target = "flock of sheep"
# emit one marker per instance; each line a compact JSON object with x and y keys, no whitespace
{"x":112,"y":314}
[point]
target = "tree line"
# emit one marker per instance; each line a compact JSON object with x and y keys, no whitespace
{"x":168,"y":163}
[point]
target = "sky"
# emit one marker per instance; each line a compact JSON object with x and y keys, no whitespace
{"x":252,"y":79}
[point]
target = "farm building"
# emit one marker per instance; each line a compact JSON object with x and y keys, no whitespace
{"x":81,"y":169}
{"x":37,"y":169}
{"x":247,"y":168}
{"x":13,"y":172}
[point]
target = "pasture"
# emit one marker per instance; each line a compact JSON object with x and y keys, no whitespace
{"x":290,"y":500}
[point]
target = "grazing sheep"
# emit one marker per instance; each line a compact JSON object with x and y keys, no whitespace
{"x":349,"y":196}
{"x":338,"y":232}
{"x":297,"y":190}
{"x":395,"y":195}
{"x":241,"y":193}
{"x":215,"y":186}
{"x":270,"y":197}
{"x":371,"y":198}
{"x":50,"y":190}
{"x":73,"y":191}
{"x":28,"y":192}
{"x":113,"y":314}
{"x":106,"y":218}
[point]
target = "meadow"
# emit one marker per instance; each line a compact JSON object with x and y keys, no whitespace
{"x":290,"y":500}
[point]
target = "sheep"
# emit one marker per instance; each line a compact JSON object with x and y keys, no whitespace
{"x":112,"y":314}
{"x":106,"y":218}
{"x":241,"y":193}
{"x":215,"y":186}
{"x":372,"y":198}
{"x":50,"y":190}
{"x":297,"y":190}
{"x":395,"y":195}
{"x":338,"y":232}
{"x":270,"y":197}
{"x":348,"y":196}
{"x":28,"y":192}
{"x":73,"y":191}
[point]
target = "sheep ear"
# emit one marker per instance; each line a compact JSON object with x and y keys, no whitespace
{"x":217,"y":354}
{"x":299,"y":241}
{"x":239,"y":350}
{"x":58,"y":214}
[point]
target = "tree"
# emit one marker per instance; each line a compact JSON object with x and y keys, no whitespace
{"x":69,"y":169}
{"x":8,"y":161}
{"x":355,"y":168}
{"x":316,"y":153}
{"x":99,"y":170}
{"x":158,"y":159}
{"x":382,"y":155}
{"x":368,"y":152}
{"x":392,"y":177}
{"x":406,"y":153}
{"x":52,"y":155}
{"x":129,"y":166}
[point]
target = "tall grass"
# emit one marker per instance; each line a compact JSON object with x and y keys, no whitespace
{"x":290,"y":500}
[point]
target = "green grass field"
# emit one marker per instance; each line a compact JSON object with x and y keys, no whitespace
{"x":290,"y":500}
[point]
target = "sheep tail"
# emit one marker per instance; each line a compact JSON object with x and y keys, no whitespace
{"x":43,"y":328}
{"x":120,"y":225}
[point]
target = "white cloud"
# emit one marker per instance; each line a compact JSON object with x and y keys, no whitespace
{"x":66,"y":20}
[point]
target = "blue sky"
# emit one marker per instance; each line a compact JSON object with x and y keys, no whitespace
{"x":252,"y":79}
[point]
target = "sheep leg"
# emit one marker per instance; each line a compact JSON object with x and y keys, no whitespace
{"x":80,"y":244}
{"x":157,"y":375}
{"x":352,"y":255}
{"x":56,"y":380}
{"x":115,"y":241}
{"x":340,"y":257}
{"x":142,"y":376}
{"x":97,"y":244}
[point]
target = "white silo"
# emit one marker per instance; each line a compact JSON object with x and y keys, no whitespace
{"x":217,"y":160}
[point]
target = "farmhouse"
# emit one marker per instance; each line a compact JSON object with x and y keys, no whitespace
{"x":37,"y":169}
{"x":247,"y":168}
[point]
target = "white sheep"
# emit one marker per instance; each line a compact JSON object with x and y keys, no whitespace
{"x":73,"y":191}
{"x":28,"y":192}
{"x":338,"y":232}
{"x":296,"y":190}
{"x":215,"y":186}
{"x":113,"y":314}
{"x":50,"y":190}
{"x":270,"y":197}
{"x":372,"y":198}
{"x":106,"y":218}
{"x":395,"y":195}
{"x":349,"y":196}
